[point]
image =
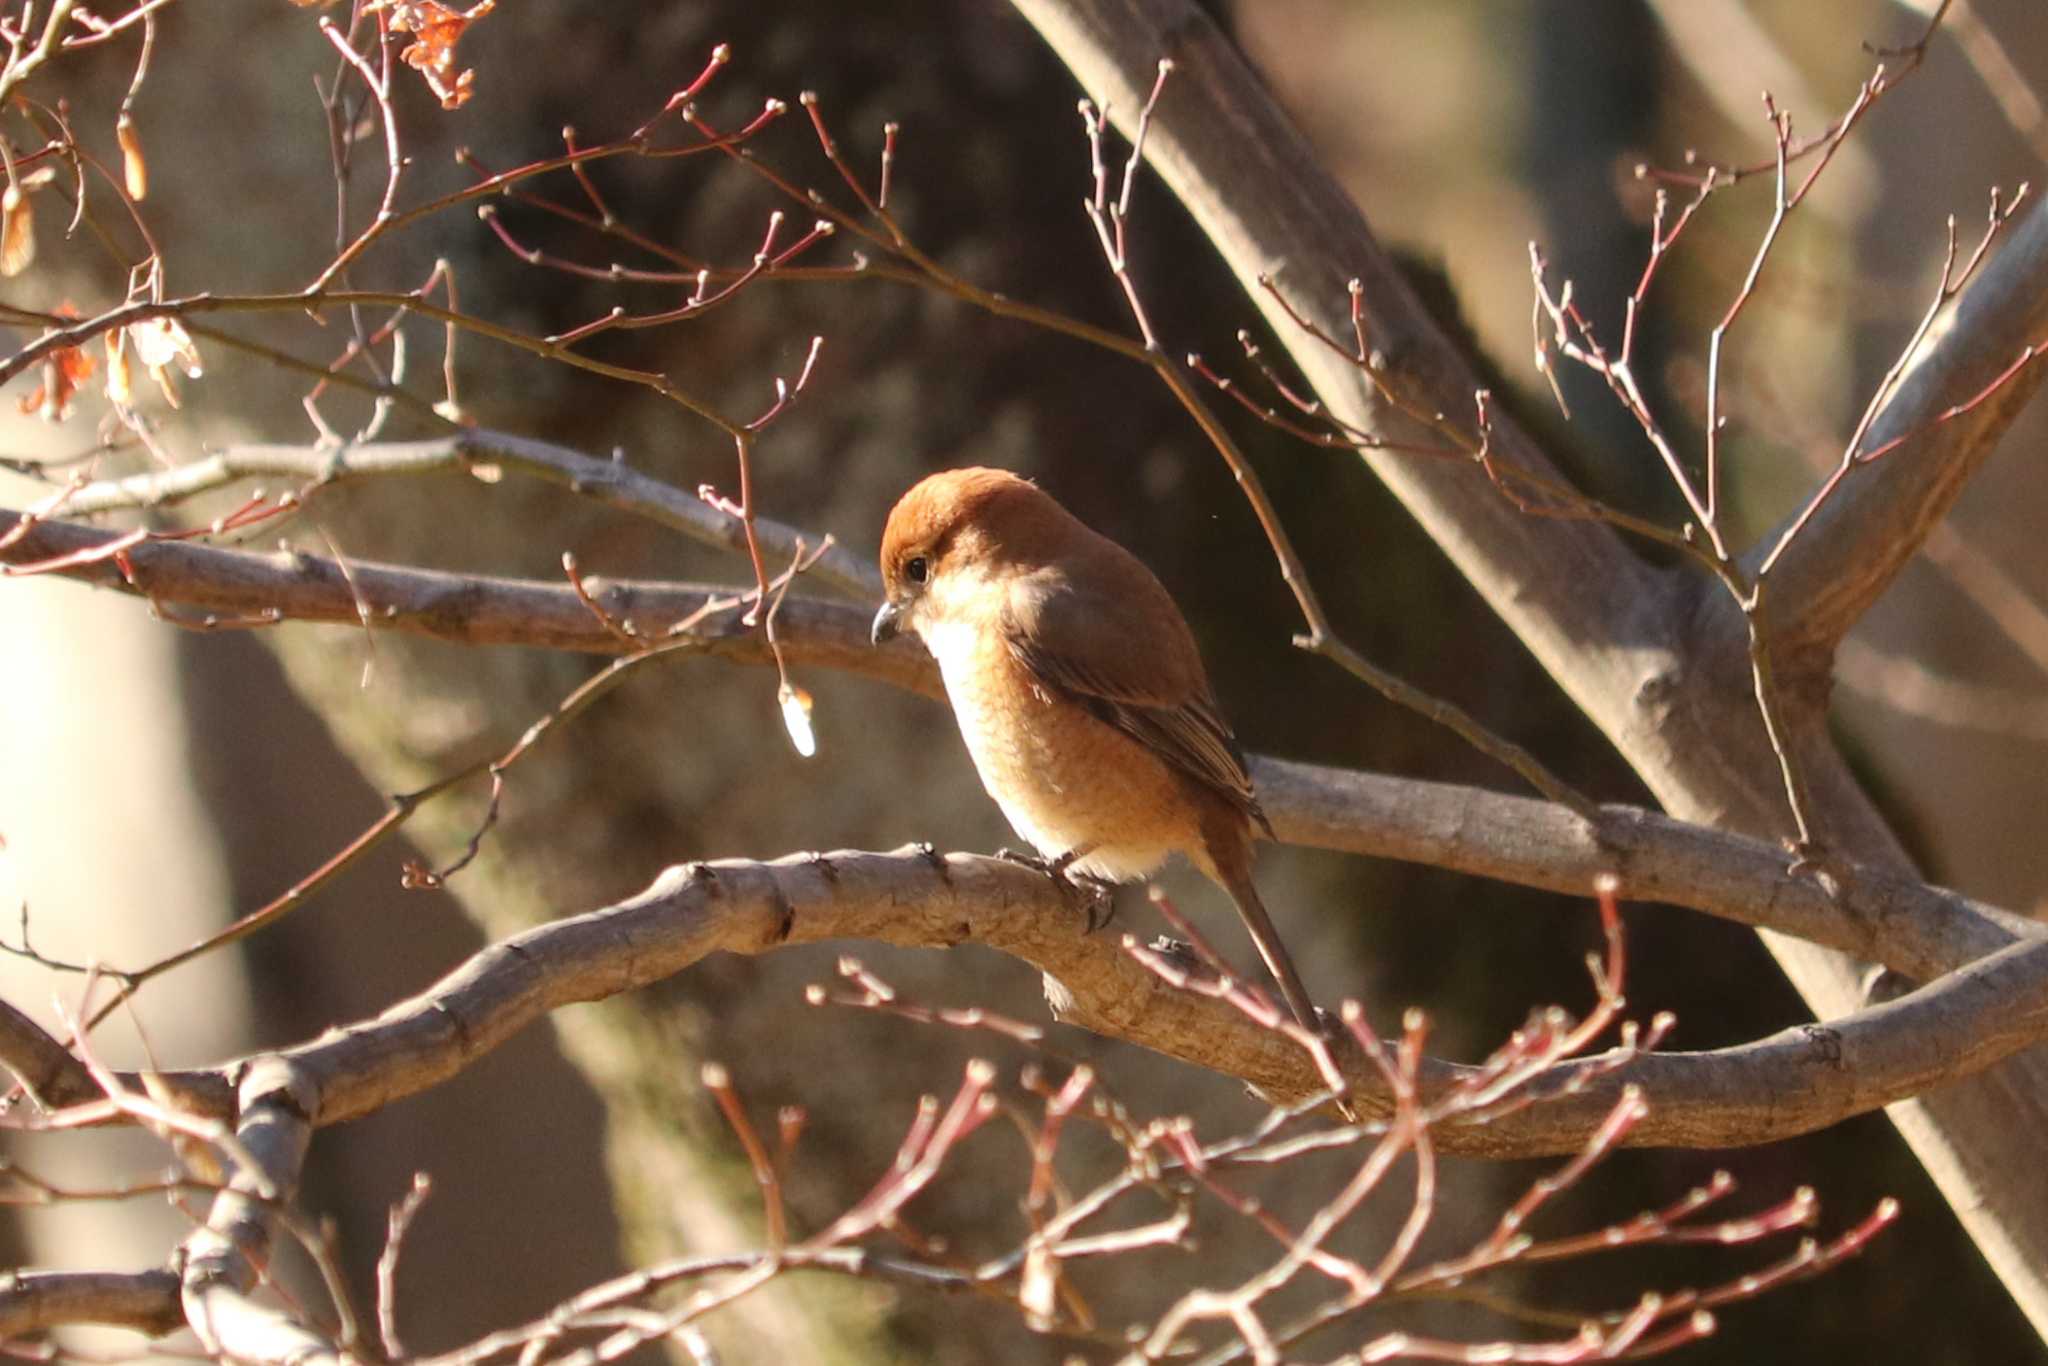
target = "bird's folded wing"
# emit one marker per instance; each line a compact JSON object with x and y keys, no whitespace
{"x":1138,"y":675}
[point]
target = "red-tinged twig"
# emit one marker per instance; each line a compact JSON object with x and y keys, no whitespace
{"x":98,"y":30}
{"x":1339,"y":435}
{"x":1809,"y":1259}
{"x":718,"y":1081}
{"x":584,"y":182}
{"x":1951,"y":284}
{"x":1908,"y":58}
{"x":1045,"y":1143}
{"x":146,"y":13}
{"x":1508,"y":1242}
{"x":766,"y":261}
{"x":689,"y":269}
{"x":1253,"y":1210}
{"x":1572,"y":333}
{"x":1209,"y":955}
{"x":252,"y":511}
{"x":789,"y":1127}
{"x":360,"y":347}
{"x":878,"y":996}
{"x":1111,"y":220}
{"x":1661,"y":243}
{"x":21,"y":63}
{"x":1239,"y":1306}
{"x":785,"y":392}
{"x":1040,"y":1285}
{"x":622,"y":631}
{"x":1519,"y":486}
{"x":1783,"y":201}
{"x":931,"y":1139}
{"x":400,"y":810}
{"x":399,"y":219}
{"x":165,"y":1121}
{"x":2028,"y":354}
{"x":1550,"y":1036}
{"x":1168,"y":1232}
{"x":889,"y":132}
{"x":43,"y":511}
{"x":720,"y":55}
{"x":1252,"y":1000}
{"x":128,"y":315}
{"x":874,"y":206}
{"x":402,"y":807}
{"x":379,"y":87}
{"x":418,"y":876}
{"x":66,"y":144}
{"x":397,"y":1224}
{"x":1631,"y":1340}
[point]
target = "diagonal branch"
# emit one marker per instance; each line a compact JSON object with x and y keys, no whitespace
{"x":1856,"y":543}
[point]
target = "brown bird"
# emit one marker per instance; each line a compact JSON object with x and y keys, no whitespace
{"x":1078,"y":689}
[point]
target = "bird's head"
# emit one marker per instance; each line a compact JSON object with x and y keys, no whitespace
{"x":957,"y":532}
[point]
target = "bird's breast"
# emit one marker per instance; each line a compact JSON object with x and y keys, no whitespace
{"x":1065,"y":780}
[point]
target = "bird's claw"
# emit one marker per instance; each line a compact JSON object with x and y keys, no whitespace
{"x":1094,"y":896}
{"x":1099,"y":900}
{"x":1025,"y":858}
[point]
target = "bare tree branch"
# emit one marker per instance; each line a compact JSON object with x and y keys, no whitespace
{"x":1918,"y":930}
{"x":249,"y":588}
{"x":1792,"y":1082}
{"x":222,"y":1260}
{"x":37,"y":1301}
{"x":610,"y":482}
{"x":1859,"y":540}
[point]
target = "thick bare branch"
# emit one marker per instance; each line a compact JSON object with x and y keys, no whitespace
{"x":36,"y":1301}
{"x":246,"y":588}
{"x":1919,"y":930}
{"x":1795,"y":1081}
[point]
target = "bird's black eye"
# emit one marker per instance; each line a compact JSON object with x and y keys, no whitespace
{"x":916,"y":569}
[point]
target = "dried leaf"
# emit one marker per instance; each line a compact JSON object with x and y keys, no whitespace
{"x":134,"y":169}
{"x":17,"y":231}
{"x":159,"y":344}
{"x":120,"y":374}
{"x":65,"y":371}
{"x":162,"y":341}
{"x":1038,"y":1290}
{"x":796,"y":719}
{"x":438,"y":28}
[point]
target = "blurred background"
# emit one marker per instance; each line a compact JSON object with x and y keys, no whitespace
{"x":168,"y":781}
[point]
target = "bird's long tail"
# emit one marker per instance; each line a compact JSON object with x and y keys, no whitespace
{"x":1267,"y":938}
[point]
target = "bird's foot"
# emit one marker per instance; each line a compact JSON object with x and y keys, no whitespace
{"x":1094,"y":896}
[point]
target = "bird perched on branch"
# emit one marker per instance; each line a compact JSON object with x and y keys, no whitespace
{"x":1078,"y":689}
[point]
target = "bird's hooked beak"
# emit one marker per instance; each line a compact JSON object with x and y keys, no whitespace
{"x":888,"y":623}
